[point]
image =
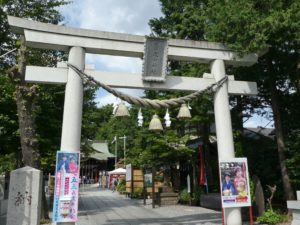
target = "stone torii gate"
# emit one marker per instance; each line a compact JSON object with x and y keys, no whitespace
{"x":78,"y":42}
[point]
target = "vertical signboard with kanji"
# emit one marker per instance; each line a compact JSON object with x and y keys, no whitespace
{"x":234,"y":182}
{"x":128,"y":172}
{"x":66,"y":187}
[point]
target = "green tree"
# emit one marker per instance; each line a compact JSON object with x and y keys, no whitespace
{"x":249,"y":26}
{"x":9,"y":135}
{"x":25,"y":94}
{"x":144,"y":147}
{"x":273,"y":25}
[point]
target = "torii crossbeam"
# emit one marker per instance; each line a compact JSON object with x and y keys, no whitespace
{"x":80,"y":41}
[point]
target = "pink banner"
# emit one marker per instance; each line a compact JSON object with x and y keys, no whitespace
{"x":65,"y":205}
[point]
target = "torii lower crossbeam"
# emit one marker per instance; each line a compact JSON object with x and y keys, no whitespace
{"x":35,"y":74}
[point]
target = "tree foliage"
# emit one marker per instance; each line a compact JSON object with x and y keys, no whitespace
{"x":250,"y":26}
{"x":47,"y":100}
{"x":25,"y":95}
{"x":144,"y":148}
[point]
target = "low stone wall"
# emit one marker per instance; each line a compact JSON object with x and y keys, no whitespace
{"x":295,"y":207}
{"x":211,"y":201}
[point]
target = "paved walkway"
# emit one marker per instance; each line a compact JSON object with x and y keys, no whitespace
{"x":102,"y":207}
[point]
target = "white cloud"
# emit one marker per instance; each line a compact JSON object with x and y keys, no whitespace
{"x":123,"y":16}
{"x":115,"y":63}
{"x":104,"y":98}
{"x":130,"y":16}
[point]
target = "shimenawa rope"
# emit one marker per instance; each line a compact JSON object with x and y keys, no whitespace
{"x":169,"y":103}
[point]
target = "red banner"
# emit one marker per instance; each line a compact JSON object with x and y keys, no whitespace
{"x":201,"y":166}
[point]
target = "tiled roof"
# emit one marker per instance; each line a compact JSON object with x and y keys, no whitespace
{"x":101,"y":151}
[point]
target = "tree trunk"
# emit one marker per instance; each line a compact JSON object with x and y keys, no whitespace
{"x":287,"y":186}
{"x":25,"y":95}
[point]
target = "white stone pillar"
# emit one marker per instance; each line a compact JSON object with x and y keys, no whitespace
{"x":72,"y":117}
{"x":71,"y":127}
{"x":224,"y":131}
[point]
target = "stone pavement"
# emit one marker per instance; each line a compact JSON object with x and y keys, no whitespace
{"x":102,"y":207}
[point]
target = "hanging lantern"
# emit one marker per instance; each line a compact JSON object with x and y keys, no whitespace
{"x":184,"y":112}
{"x":155,"y":124}
{"x":121,"y":111}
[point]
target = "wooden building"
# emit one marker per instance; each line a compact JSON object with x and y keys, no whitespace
{"x":98,"y":162}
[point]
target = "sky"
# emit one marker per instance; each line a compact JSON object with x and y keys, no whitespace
{"x":122,"y":16}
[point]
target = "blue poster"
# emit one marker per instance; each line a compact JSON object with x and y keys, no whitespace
{"x":65,"y":204}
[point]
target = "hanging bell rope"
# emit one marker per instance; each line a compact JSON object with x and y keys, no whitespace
{"x":158,"y":104}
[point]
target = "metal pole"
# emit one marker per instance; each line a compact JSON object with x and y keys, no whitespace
{"x":124,"y":148}
{"x":224,"y":131}
{"x":153,"y":187}
{"x":116,"y":146}
{"x":72,"y":116}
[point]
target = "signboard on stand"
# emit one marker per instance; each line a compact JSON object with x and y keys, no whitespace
{"x":128,"y":172}
{"x":234,"y":183}
{"x":148,"y":180}
{"x":65,"y":204}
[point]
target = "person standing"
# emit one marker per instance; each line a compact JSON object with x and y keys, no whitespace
{"x":228,"y":187}
{"x":114,"y":184}
{"x":100,"y":179}
{"x":63,"y":164}
{"x":240,"y":182}
{"x":73,"y":165}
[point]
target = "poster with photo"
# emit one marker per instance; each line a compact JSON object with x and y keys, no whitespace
{"x":234,"y":183}
{"x":148,"y":180}
{"x":65,"y":204}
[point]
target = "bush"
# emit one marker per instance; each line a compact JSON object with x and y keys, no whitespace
{"x":272,"y":217}
{"x":198,"y":191}
{"x":137,"y":193}
{"x":184,"y":196}
{"x":252,"y":194}
{"x":121,"y":185}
